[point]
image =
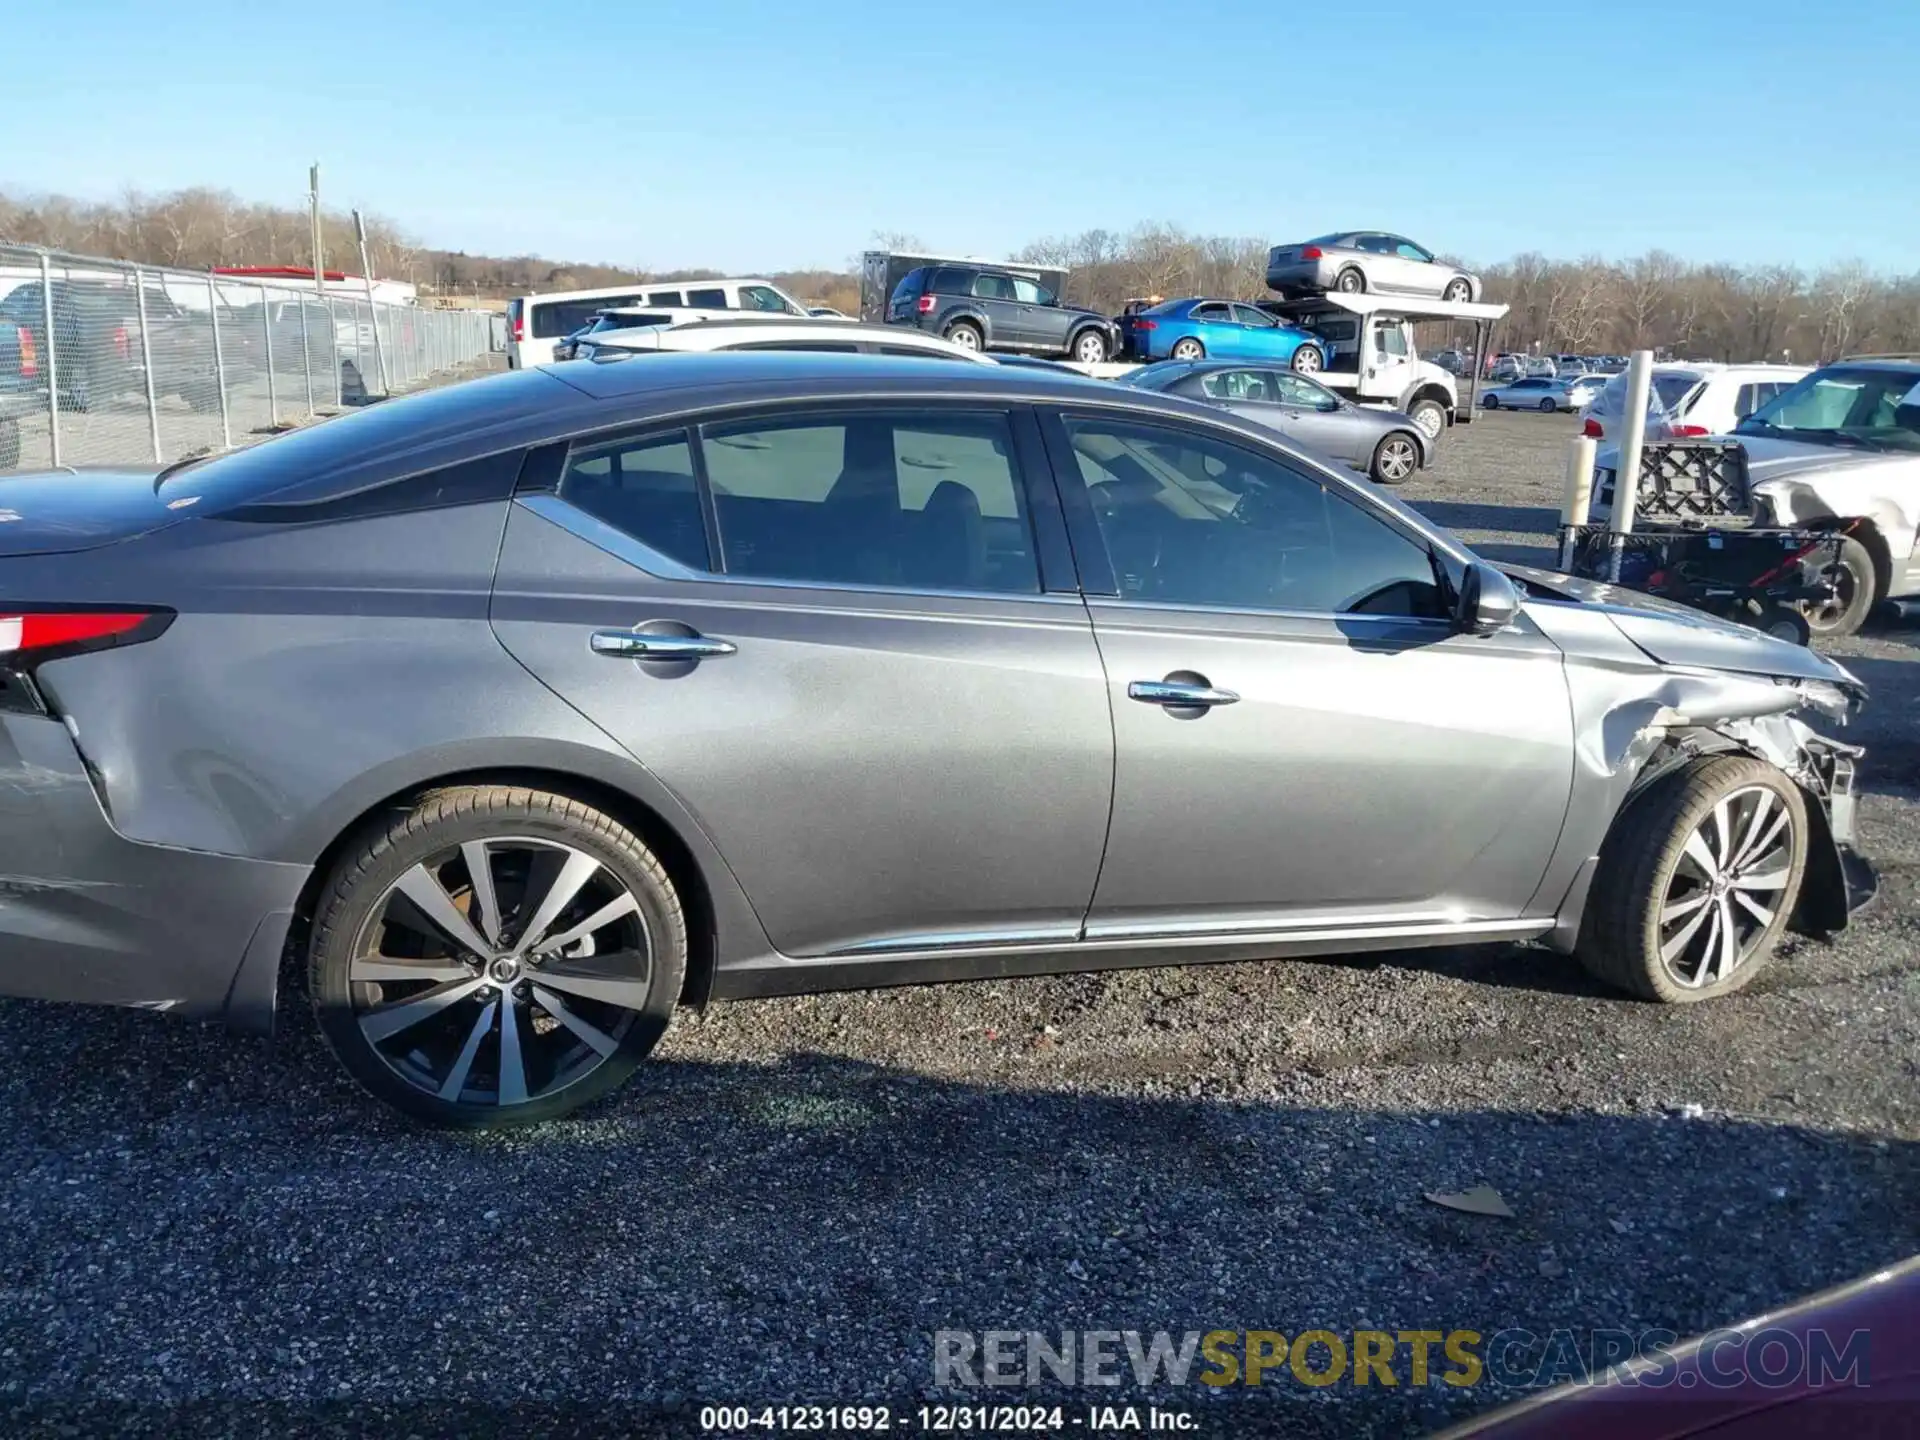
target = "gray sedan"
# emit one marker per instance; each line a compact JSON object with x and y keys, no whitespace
{"x":1366,"y":261}
{"x":1386,"y":444}
{"x":523,"y":713}
{"x":1534,"y":392}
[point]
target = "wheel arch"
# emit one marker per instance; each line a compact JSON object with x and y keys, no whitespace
{"x":719,"y":916}
{"x":1867,"y":530}
{"x":967,"y":315}
{"x":1428,"y":390}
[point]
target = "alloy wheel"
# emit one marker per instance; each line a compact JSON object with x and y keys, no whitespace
{"x":501,"y":971}
{"x":1724,"y":892}
{"x":1306,"y":360}
{"x":1091,"y":349}
{"x":1397,"y":458}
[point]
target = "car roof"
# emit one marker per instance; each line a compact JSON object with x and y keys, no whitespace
{"x":786,"y":372}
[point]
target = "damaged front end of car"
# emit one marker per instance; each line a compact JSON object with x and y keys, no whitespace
{"x":1655,"y":687}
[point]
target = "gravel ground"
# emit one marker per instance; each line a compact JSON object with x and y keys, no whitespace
{"x":208,"y":1234}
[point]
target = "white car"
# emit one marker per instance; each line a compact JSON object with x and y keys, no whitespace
{"x":1691,"y":398}
{"x":1838,"y":449}
{"x":1535,"y":392}
{"x":755,"y":333}
{"x":535,"y":323}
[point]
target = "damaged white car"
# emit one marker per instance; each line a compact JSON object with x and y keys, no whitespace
{"x":1839,"y":450}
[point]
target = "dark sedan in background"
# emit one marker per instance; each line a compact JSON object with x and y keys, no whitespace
{"x":1388,"y":445}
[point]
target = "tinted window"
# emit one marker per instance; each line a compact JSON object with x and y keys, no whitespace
{"x":910,"y":283}
{"x":630,"y":320}
{"x":892,"y":499}
{"x":643,"y":488}
{"x":952,"y":282}
{"x":707,"y":299}
{"x":838,"y":347}
{"x":1670,"y":389}
{"x":672,"y":299}
{"x":1237,"y":385}
{"x":1213,"y":310}
{"x":762,"y":297}
{"x":554,"y":318}
{"x":993,"y":287}
{"x":1191,"y":520}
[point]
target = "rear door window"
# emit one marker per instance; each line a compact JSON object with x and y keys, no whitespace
{"x":672,"y":299}
{"x":554,"y":318}
{"x":890,"y":498}
{"x":709,"y":299}
{"x":994,"y":287}
{"x":1213,"y":312}
{"x":644,"y":488}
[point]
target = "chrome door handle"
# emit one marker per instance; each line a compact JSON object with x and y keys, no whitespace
{"x":1177,"y":695}
{"x":638,"y":645}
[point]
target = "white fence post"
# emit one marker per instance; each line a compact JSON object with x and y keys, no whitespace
{"x":146,"y":364}
{"x":306,"y":356}
{"x":1626,"y":472}
{"x":273,"y":387}
{"x":219,"y":363}
{"x":53,"y":363}
{"x":1578,"y":503}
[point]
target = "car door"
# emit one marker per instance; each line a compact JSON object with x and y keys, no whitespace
{"x":891,"y":721}
{"x":1412,"y":268}
{"x":1389,"y":362}
{"x":1318,"y":418}
{"x":1246,"y":393}
{"x":1261,"y":337}
{"x":1303,"y":744}
{"x":1213,"y":327}
{"x":1041,"y":316}
{"x":1007,"y":319}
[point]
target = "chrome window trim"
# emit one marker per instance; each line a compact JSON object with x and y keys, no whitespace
{"x":622,"y":546}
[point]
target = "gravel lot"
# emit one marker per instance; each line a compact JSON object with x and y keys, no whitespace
{"x":213,"y":1234}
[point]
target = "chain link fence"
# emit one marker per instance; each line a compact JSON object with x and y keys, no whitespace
{"x":105,"y":363}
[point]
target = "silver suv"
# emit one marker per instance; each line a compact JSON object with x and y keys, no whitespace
{"x":758,"y":673}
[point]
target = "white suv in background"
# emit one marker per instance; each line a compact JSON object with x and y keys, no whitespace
{"x":536,"y":323}
{"x":770,"y":332}
{"x":1691,"y":399}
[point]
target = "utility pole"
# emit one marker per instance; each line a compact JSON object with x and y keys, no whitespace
{"x":319,"y":244}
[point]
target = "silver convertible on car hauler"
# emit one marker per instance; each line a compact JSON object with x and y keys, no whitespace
{"x":524,"y":712}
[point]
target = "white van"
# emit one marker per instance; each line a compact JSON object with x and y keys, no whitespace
{"x":536,"y":322}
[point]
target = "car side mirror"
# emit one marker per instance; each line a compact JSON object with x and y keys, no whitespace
{"x":1487,"y":603}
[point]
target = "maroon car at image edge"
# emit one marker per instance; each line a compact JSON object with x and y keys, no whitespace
{"x":1745,"y":1382}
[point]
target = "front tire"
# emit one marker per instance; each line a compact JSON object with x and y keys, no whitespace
{"x":1696,"y":881}
{"x":1458,"y":290}
{"x":1430,"y":416}
{"x":1395,"y":459}
{"x":1308,"y":360}
{"x":1547,"y":406}
{"x":496,"y":956}
{"x":1854,"y":592}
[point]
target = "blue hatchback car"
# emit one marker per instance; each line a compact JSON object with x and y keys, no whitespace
{"x":1219,"y":330}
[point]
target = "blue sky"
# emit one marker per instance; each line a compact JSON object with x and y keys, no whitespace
{"x":756,"y":136}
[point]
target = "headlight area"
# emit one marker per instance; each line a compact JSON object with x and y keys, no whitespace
{"x":1836,"y":702}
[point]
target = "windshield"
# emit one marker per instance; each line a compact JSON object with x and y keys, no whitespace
{"x":1842,"y":405}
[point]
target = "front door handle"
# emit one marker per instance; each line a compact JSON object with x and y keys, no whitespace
{"x":639,"y":645}
{"x":1178,"y":695}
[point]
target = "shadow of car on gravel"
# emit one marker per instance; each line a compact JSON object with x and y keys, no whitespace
{"x":190,"y":1217}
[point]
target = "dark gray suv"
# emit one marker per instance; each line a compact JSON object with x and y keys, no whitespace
{"x":980,"y":306}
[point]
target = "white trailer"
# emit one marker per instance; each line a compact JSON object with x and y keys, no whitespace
{"x":1370,"y":352}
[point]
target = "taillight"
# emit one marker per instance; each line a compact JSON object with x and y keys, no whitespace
{"x":519,"y":328}
{"x":27,"y":637}
{"x":1687,"y":432}
{"x":1311,"y":252}
{"x":29,"y":357}
{"x":121,"y":343}
{"x":924,"y":304}
{"x":1146,"y":324}
{"x":1591,"y":429}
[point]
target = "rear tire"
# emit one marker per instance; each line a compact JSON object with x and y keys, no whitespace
{"x":1490,"y":402}
{"x":1188,"y":348}
{"x":966,"y":335}
{"x":1351,"y":281}
{"x":581,"y":1016}
{"x":1855,"y":594}
{"x":1695,"y":882}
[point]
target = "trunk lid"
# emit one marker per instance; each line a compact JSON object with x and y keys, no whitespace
{"x":57,"y":512}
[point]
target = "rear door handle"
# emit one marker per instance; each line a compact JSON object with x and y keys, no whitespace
{"x":1178,"y":695}
{"x":638,"y":645}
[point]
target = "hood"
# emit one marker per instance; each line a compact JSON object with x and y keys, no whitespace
{"x":54,"y":512}
{"x":1672,"y":634}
